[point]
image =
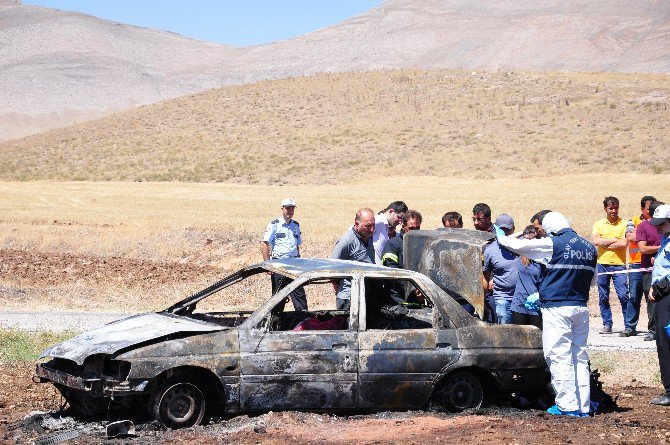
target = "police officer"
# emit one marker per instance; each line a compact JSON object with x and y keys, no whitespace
{"x":282,"y":239}
{"x":568,"y":264}
{"x":660,"y":286}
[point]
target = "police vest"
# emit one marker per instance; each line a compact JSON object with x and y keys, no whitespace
{"x":567,"y":277}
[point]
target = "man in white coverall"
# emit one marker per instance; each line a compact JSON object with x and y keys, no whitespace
{"x":568,"y":265}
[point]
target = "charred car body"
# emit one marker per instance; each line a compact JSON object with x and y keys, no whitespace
{"x":404,"y":343}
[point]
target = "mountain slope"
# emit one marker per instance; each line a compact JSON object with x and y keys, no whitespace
{"x":60,"y":67}
{"x":343,"y":128}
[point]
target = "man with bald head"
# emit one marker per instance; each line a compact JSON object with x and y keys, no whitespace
{"x":356,"y":245}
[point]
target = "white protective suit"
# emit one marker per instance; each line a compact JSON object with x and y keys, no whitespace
{"x":565,"y":329}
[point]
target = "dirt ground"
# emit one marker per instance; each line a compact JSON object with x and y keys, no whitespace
{"x":637,"y":422}
{"x":42,"y":269}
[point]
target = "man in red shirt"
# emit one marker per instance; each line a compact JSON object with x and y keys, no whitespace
{"x":648,"y":241}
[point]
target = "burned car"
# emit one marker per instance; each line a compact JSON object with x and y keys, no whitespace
{"x":404,"y":343}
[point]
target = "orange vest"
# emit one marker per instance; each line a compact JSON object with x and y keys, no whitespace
{"x":634,"y":254}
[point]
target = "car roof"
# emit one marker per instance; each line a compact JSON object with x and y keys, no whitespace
{"x":294,"y":267}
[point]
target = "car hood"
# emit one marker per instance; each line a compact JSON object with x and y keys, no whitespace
{"x":122,"y":334}
{"x":452,"y":258}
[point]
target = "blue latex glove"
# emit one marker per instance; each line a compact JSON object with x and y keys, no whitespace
{"x":500,"y":233}
{"x":533,"y":302}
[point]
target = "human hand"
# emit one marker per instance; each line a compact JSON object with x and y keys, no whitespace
{"x":533,"y":302}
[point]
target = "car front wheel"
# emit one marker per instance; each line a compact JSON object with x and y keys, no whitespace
{"x":178,"y":404}
{"x":462,"y":390}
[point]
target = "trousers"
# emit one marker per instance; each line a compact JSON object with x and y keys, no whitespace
{"x":635,"y":291}
{"x":564,"y":335}
{"x":620,"y":286}
{"x":651,"y":313}
{"x":298,"y":297}
{"x":662,"y":313}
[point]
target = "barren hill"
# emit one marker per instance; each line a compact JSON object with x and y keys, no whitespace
{"x":58,"y":67}
{"x":344,"y":127}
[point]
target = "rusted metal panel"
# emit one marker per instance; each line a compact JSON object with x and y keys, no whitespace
{"x":62,"y":378}
{"x":452,"y":258}
{"x":310,"y":370}
{"x":502,"y":337}
{"x":118,"y":335}
{"x":397,"y":368}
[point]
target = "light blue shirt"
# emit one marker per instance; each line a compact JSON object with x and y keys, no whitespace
{"x":284,"y":238}
{"x":662,"y":261}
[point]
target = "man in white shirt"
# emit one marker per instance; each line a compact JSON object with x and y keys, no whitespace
{"x":391,"y":216}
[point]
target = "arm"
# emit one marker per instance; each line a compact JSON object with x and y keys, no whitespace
{"x":538,"y":249}
{"x":602,"y":242}
{"x":487,"y":282}
{"x":647,"y":250}
{"x":268,"y":241}
{"x":265,"y":250}
{"x":341,"y":249}
{"x":618,"y":244}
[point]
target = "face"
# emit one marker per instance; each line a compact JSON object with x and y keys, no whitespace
{"x":480,"y":221}
{"x":394,"y":218}
{"x":366,"y":226}
{"x":664,"y":228}
{"x":530,"y":235}
{"x":645,"y":210}
{"x":612,"y":211}
{"x":540,"y":230}
{"x":287,"y":212}
{"x":412,"y":224}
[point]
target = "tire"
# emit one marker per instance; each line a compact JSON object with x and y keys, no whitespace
{"x":178,"y":404}
{"x":462,"y":390}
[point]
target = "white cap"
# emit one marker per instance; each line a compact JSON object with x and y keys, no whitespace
{"x":660,"y":214}
{"x":288,"y":202}
{"x":554,"y":221}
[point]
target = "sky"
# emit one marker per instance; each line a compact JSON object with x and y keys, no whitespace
{"x":230,"y":22}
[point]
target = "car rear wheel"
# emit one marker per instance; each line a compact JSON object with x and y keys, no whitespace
{"x":462,"y":390}
{"x":178,"y":404}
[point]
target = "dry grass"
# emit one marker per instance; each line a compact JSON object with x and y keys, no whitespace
{"x":616,"y":370}
{"x":343,"y":128}
{"x":221,"y":225}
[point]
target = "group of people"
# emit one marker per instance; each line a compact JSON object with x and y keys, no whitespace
{"x":539,"y":276}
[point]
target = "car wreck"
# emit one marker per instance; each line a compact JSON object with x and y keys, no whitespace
{"x":407,"y":341}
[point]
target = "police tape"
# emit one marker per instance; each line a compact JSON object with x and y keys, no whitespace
{"x":627,"y":271}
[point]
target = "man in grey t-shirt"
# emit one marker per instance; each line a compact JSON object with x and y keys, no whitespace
{"x":355,"y":244}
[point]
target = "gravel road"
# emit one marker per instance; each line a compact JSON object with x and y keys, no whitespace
{"x":79,"y":321}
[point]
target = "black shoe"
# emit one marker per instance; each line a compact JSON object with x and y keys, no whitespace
{"x":663,"y":400}
{"x":628,"y":333}
{"x":650,"y":336}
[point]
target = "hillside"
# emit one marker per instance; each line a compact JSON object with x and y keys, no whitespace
{"x":340,"y":128}
{"x":60,"y":67}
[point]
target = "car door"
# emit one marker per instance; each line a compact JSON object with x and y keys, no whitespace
{"x":397,"y":367}
{"x":300,"y":369}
